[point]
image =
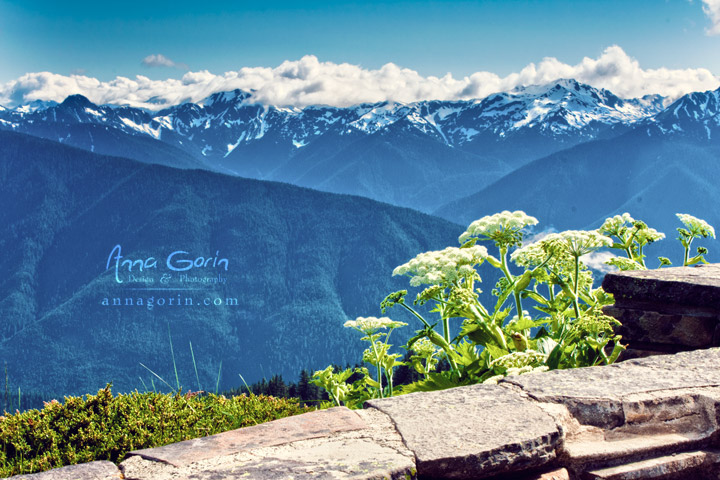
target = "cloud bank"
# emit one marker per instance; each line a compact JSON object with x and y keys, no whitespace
{"x":712,"y":10}
{"x":309,"y":81}
{"x":160,"y":60}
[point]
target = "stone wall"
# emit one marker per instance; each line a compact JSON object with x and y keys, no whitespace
{"x":655,"y":417}
{"x":645,"y":418}
{"x":666,"y":310}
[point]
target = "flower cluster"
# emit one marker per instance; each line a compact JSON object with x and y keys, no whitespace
{"x":519,"y":359}
{"x":513,"y":371}
{"x":370,"y":325}
{"x":616,"y":225}
{"x":578,"y":242}
{"x":424,"y":348}
{"x":537,"y":253}
{"x":503,"y":228}
{"x":443,"y":266}
{"x":564,"y":247}
{"x":696,"y":226}
{"x":624,"y":263}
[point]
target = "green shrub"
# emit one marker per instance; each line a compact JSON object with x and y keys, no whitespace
{"x":103,"y":427}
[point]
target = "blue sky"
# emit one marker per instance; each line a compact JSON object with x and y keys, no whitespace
{"x":104,"y":40}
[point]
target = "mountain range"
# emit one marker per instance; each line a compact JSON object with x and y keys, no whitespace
{"x":282,"y":268}
{"x":420,"y":155}
{"x":204,"y":179}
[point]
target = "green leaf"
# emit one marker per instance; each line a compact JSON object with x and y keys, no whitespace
{"x":496,"y":352}
{"x":434,"y":381}
{"x":553,"y":361}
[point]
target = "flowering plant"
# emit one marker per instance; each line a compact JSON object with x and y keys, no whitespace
{"x":569,"y":329}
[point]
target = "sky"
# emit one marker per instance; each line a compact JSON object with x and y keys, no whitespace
{"x":153,"y":54}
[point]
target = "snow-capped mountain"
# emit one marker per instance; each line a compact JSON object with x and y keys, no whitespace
{"x":224,"y":121}
{"x":696,"y":115}
{"x":442,"y":150}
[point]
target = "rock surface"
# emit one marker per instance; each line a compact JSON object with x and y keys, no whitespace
{"x":599,"y":395}
{"x":679,"y":466}
{"x":472,"y":432}
{"x":316,"y":424}
{"x":372,"y":452}
{"x":100,"y":470}
{"x":697,"y":286}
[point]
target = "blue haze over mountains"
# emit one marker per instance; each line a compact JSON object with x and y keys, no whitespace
{"x":565,"y":152}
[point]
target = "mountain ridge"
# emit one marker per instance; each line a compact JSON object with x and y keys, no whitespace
{"x":301,"y":263}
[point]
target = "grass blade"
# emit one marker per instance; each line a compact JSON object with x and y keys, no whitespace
{"x":246,"y":385}
{"x":217,"y":384}
{"x":192,"y":354}
{"x":159,"y":378}
{"x":172,"y":353}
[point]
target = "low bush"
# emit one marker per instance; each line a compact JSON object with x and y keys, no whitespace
{"x":107,"y":427}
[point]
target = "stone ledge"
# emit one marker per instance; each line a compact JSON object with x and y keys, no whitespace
{"x":693,"y":286}
{"x":99,"y":470}
{"x":594,"y":395}
{"x":671,"y":329}
{"x":559,"y":424}
{"x":472,"y":432}
{"x":321,"y":423}
{"x":372,"y":452}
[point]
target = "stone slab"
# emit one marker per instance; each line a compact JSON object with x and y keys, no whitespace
{"x":680,"y":465}
{"x":320,"y":423}
{"x":690,"y":331}
{"x":375,"y":452}
{"x":472,"y":432}
{"x":556,"y":474}
{"x":594,"y":395}
{"x":98,"y":470}
{"x":696,"y":286}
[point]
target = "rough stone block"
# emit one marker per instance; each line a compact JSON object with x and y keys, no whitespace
{"x":676,"y":466}
{"x":374,"y":452}
{"x":99,"y":470}
{"x":695,"y":286}
{"x":472,"y":432}
{"x":690,"y":331}
{"x":557,"y":474}
{"x":594,"y":395}
{"x":316,"y":424}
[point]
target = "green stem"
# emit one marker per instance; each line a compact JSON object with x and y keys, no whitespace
{"x":576,"y":284}
{"x":641,"y":259}
{"x":379,"y":370}
{"x":416,"y":314}
{"x":509,"y":276}
{"x":389,"y":374}
{"x":446,"y":329}
{"x":687,"y":252}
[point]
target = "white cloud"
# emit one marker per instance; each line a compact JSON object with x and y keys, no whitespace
{"x":309,"y":81}
{"x":596,"y":261}
{"x":160,"y":60}
{"x":712,"y":10}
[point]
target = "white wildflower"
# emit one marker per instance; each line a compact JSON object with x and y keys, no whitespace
{"x":579,"y":242}
{"x":369,"y":325}
{"x":424,"y":348}
{"x":529,"y":358}
{"x":624,"y":263}
{"x":534,"y":254}
{"x":696,"y":226}
{"x":492,"y":226}
{"x":443,"y":266}
{"x":648,"y":235}
{"x":613,"y":225}
{"x":511,"y":372}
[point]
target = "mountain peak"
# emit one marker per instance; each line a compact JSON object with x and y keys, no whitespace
{"x":77,"y":101}
{"x":232,"y":96}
